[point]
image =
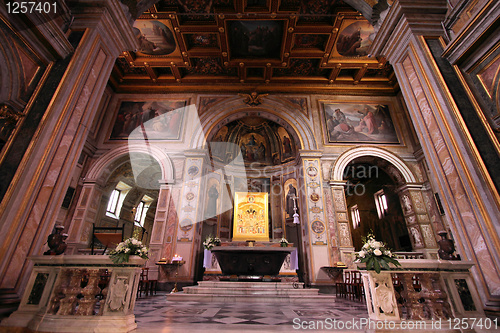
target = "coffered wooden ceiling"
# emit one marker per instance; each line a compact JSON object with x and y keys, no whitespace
{"x":245,"y":45}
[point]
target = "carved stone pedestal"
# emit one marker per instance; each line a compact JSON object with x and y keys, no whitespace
{"x":50,"y":302}
{"x":380,"y":296}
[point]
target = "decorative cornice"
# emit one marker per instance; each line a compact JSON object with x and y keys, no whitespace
{"x":406,"y":18}
{"x":483,"y":26}
{"x":90,"y":13}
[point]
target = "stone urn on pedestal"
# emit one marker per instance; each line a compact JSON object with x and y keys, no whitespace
{"x":446,"y":247}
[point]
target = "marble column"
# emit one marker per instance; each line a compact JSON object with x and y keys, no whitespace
{"x":407,"y":35}
{"x":417,"y":220}
{"x":190,"y":213}
{"x":163,"y":232}
{"x":344,"y":236}
{"x":31,"y":205}
{"x":315,"y":228}
{"x":86,"y":213}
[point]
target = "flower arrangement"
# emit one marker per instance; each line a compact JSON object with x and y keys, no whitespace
{"x":283,"y":242}
{"x":210,"y":242}
{"x":127,"y":248}
{"x":375,"y":255}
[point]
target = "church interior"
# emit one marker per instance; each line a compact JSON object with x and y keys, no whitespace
{"x":178,"y":121}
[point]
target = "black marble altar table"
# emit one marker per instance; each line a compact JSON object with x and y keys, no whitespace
{"x":245,"y":260}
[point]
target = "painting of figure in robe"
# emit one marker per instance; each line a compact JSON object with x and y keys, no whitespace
{"x":359,"y":123}
{"x":253,"y":148}
{"x":291,"y":198}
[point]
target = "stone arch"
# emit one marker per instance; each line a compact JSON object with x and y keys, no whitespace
{"x":113,"y":158}
{"x":351,"y":154}
{"x":272,"y":109}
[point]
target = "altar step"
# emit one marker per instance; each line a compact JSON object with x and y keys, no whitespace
{"x":269,"y":292}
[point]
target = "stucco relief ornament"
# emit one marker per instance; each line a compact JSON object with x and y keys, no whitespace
{"x":344,"y":234}
{"x":416,"y":236}
{"x":119,"y":296}
{"x":407,"y":203}
{"x":384,"y":296}
{"x":312,"y":172}
{"x":253,"y":99}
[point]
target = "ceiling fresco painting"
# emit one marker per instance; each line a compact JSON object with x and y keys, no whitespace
{"x":261,"y":45}
{"x":354,"y":39}
{"x":155,"y":38}
{"x":250,"y":39}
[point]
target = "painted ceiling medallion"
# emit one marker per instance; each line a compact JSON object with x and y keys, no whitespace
{"x":193,"y":170}
{"x":318,"y":227}
{"x":312,"y":171}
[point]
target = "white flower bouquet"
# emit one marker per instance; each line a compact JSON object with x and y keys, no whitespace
{"x":210,"y":242}
{"x":127,"y":248}
{"x":284,"y":242}
{"x":375,"y":254}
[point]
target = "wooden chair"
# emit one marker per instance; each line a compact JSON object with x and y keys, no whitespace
{"x":341,"y":288}
{"x":356,"y":290}
{"x":146,"y":285}
{"x":106,"y":236}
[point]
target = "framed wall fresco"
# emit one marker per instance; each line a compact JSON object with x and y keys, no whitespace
{"x":157,"y":120}
{"x":354,"y":123}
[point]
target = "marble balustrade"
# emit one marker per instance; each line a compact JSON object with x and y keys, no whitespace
{"x":78,"y":293}
{"x":422,"y":289}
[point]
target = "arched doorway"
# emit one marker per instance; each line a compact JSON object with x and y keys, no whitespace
{"x":414,"y":205}
{"x":373,"y":204}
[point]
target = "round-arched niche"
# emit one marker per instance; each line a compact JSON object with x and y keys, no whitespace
{"x":253,"y":140}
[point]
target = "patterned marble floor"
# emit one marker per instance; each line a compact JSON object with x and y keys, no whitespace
{"x":156,"y":314}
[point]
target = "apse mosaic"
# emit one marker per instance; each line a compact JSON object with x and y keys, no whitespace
{"x":155,"y":37}
{"x":149,"y":120}
{"x":259,"y":141}
{"x":354,"y":40}
{"x":358,"y":123}
{"x":256,"y":38}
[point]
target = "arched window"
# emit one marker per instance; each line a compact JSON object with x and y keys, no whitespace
{"x":116,"y":199}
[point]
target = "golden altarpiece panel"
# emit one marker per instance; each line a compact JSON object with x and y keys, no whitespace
{"x":251,"y":221}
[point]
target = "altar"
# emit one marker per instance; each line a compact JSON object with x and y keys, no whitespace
{"x":251,"y":261}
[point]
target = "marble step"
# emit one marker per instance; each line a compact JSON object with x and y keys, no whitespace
{"x":229,"y":291}
{"x":251,"y":285}
{"x":249,"y":291}
{"x":273,"y":299}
